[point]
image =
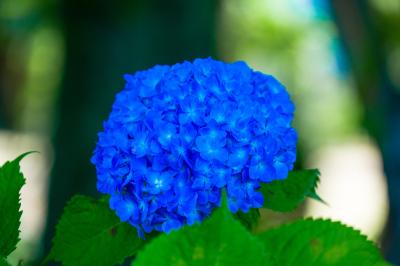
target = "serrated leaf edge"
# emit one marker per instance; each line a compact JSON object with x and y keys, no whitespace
{"x":314,"y":220}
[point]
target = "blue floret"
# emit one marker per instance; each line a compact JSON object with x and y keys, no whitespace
{"x":177,"y":135}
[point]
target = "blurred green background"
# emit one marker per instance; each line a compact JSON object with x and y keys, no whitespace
{"x":62,"y":61}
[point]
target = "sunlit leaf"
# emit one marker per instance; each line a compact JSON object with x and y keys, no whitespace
{"x":320,"y":242}
{"x":219,"y":240}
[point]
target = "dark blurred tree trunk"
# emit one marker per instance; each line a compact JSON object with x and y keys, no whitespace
{"x":104,"y":40}
{"x":366,"y":49}
{"x":4,"y":119}
{"x":12,"y":73}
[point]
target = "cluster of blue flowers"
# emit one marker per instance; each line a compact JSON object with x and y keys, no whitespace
{"x":177,"y":135}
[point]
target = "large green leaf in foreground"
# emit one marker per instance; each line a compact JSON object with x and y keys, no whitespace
{"x":89,"y":233}
{"x":286,"y":195}
{"x":11,"y":181}
{"x":320,"y":242}
{"x":220,"y":240}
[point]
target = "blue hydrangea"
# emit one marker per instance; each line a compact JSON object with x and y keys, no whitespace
{"x":177,"y":135}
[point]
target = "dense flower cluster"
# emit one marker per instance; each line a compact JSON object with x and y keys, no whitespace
{"x":177,"y":135}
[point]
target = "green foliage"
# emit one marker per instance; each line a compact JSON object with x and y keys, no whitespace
{"x":219,"y":240}
{"x":11,"y":182}
{"x":286,"y":195}
{"x":89,"y":233}
{"x":320,"y":242}
{"x":248,"y":219}
{"x":3,"y":262}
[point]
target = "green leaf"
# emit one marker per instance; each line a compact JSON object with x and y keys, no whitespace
{"x":11,"y":182}
{"x":89,"y":233}
{"x":320,"y":242}
{"x":3,"y":262}
{"x":248,"y":219}
{"x":286,"y":195}
{"x":219,"y":240}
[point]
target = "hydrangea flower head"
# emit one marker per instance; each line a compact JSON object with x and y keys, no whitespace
{"x":177,"y":135}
